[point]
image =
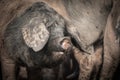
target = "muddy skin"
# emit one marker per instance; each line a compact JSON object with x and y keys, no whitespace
{"x":87,"y":21}
{"x":111,"y":44}
{"x":22,"y":51}
{"x":89,"y":64}
{"x":65,"y":8}
{"x":13,"y":8}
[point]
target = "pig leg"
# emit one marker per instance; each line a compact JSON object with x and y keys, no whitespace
{"x":87,"y":62}
{"x":8,"y":68}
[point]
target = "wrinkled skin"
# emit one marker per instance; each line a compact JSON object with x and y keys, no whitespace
{"x":87,"y":21}
{"x":111,"y":43}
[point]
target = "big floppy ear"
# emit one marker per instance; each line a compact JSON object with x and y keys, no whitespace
{"x":35,"y":34}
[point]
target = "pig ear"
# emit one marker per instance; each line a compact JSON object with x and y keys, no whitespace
{"x":35,"y":35}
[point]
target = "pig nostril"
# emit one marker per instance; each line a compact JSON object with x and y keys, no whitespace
{"x":66,"y":45}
